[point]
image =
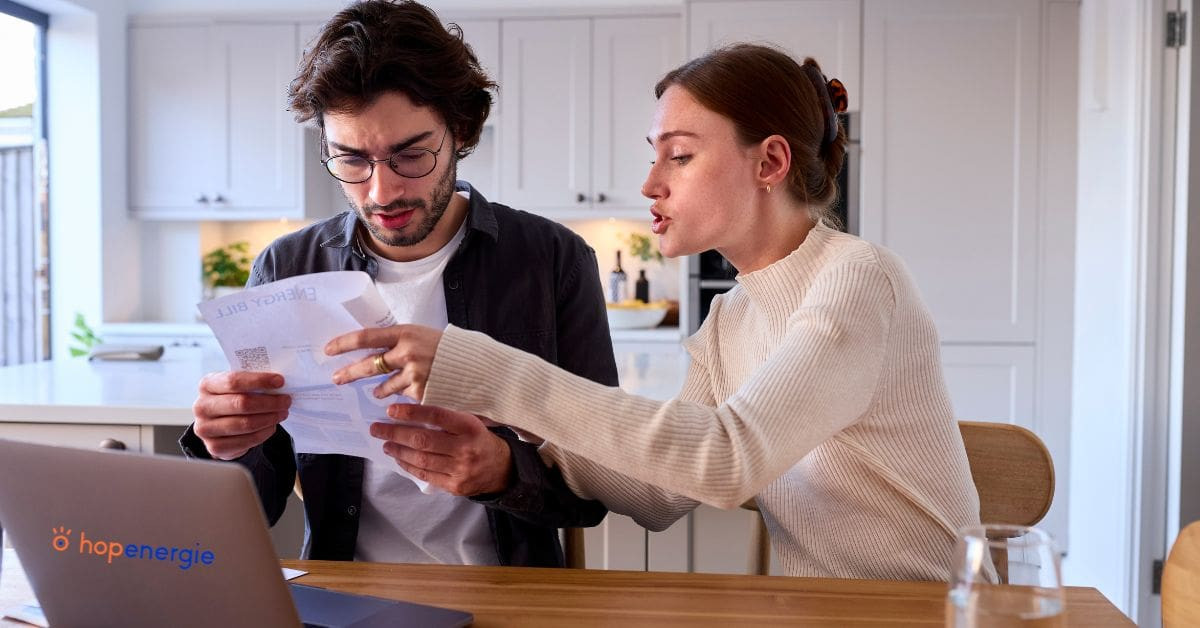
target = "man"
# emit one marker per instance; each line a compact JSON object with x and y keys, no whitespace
{"x":399,"y":100}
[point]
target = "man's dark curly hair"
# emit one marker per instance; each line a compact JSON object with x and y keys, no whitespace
{"x":377,"y":46}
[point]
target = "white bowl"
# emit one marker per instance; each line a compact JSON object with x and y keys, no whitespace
{"x":635,"y":318}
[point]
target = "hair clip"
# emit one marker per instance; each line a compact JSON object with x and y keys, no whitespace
{"x":838,"y":96}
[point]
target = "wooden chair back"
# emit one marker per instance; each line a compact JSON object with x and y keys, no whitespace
{"x":1013,"y":474}
{"x":1181,"y":580}
{"x":1012,"y":470}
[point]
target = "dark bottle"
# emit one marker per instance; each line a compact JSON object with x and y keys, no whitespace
{"x":616,"y":282}
{"x":641,"y":287}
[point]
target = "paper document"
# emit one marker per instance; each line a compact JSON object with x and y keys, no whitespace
{"x":292,"y":574}
{"x":283,"y":327}
{"x":29,"y":612}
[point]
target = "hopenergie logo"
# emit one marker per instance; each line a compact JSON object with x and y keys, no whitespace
{"x":62,"y":538}
{"x":183,"y":557}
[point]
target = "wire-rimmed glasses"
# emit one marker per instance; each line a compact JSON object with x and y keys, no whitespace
{"x":410,"y":163}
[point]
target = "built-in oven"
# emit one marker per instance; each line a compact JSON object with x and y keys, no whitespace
{"x":709,"y":274}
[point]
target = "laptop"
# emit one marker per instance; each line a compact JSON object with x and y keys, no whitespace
{"x":110,"y":538}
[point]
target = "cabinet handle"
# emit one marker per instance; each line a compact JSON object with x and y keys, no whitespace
{"x":219,"y":199}
{"x":580,"y":198}
{"x":601,"y":197}
{"x":112,"y":443}
{"x":203,"y":199}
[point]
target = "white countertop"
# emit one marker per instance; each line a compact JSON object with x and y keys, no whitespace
{"x":78,"y":391}
{"x":162,"y":392}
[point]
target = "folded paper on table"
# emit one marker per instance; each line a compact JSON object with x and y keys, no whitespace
{"x":283,"y":327}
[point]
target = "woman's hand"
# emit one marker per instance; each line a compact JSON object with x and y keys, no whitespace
{"x":408,"y":356}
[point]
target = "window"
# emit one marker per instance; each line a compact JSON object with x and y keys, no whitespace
{"x":24,"y":217}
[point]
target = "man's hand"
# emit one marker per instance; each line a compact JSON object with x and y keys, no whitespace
{"x":407,"y":355}
{"x":234,"y":413}
{"x":465,"y":459}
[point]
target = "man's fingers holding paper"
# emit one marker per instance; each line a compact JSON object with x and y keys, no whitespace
{"x":415,"y":437}
{"x":227,"y":382}
{"x":230,"y":447}
{"x":449,"y":449}
{"x":234,"y":412}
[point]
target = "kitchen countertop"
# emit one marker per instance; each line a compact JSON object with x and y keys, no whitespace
{"x":162,"y":392}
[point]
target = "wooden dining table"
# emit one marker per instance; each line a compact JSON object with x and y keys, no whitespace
{"x":511,"y":596}
{"x":528,"y":597}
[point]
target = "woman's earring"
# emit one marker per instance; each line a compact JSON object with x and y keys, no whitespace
{"x":768,"y":188}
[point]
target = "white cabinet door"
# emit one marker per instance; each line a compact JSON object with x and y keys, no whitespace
{"x":481,"y":167}
{"x":483,"y":36}
{"x":176,"y":118}
{"x":629,"y":56}
{"x":991,"y":383}
{"x":260,"y":171}
{"x":545,"y":134}
{"x":215,"y":142}
{"x":826,"y":30}
{"x":950,"y":156}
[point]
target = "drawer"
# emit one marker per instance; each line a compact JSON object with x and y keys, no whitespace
{"x":82,"y":436}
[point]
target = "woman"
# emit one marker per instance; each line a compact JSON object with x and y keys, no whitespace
{"x":815,"y":385}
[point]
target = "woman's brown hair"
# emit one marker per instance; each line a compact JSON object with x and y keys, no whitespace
{"x":765,"y":92}
{"x":379,"y":46}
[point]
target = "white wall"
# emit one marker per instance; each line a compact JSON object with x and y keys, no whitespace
{"x":1106,"y":425}
{"x":93,"y":243}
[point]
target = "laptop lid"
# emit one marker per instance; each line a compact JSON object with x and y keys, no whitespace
{"x":118,"y":538}
{"x":111,"y":538}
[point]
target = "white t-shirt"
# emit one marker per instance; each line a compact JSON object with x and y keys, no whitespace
{"x":398,"y":523}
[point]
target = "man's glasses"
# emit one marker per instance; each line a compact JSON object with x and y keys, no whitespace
{"x":411,"y":163}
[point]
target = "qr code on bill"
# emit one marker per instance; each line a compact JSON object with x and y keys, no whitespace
{"x":253,"y":359}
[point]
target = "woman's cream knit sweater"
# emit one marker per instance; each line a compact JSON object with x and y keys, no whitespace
{"x":815,"y":387}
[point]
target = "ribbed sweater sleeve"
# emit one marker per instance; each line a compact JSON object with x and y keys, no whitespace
{"x":819,"y":380}
{"x":650,"y":506}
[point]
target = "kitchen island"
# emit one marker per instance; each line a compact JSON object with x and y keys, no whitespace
{"x":144,"y":406}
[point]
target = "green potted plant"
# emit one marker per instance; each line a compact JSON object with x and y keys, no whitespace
{"x":227,"y":268}
{"x":84,"y":336}
{"x":641,"y":247}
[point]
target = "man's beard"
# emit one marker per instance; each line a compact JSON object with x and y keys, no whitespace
{"x":440,"y":200}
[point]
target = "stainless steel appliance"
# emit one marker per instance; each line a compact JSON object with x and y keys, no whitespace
{"x":709,"y":274}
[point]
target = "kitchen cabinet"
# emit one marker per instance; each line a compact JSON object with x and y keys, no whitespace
{"x":578,"y":101}
{"x":481,"y":167}
{"x":826,"y":30}
{"x":991,"y":383}
{"x":979,"y":205}
{"x":130,"y":437}
{"x":974,"y":188}
{"x":215,"y":142}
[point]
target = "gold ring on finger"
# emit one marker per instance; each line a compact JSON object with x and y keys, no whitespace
{"x":381,"y":365}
